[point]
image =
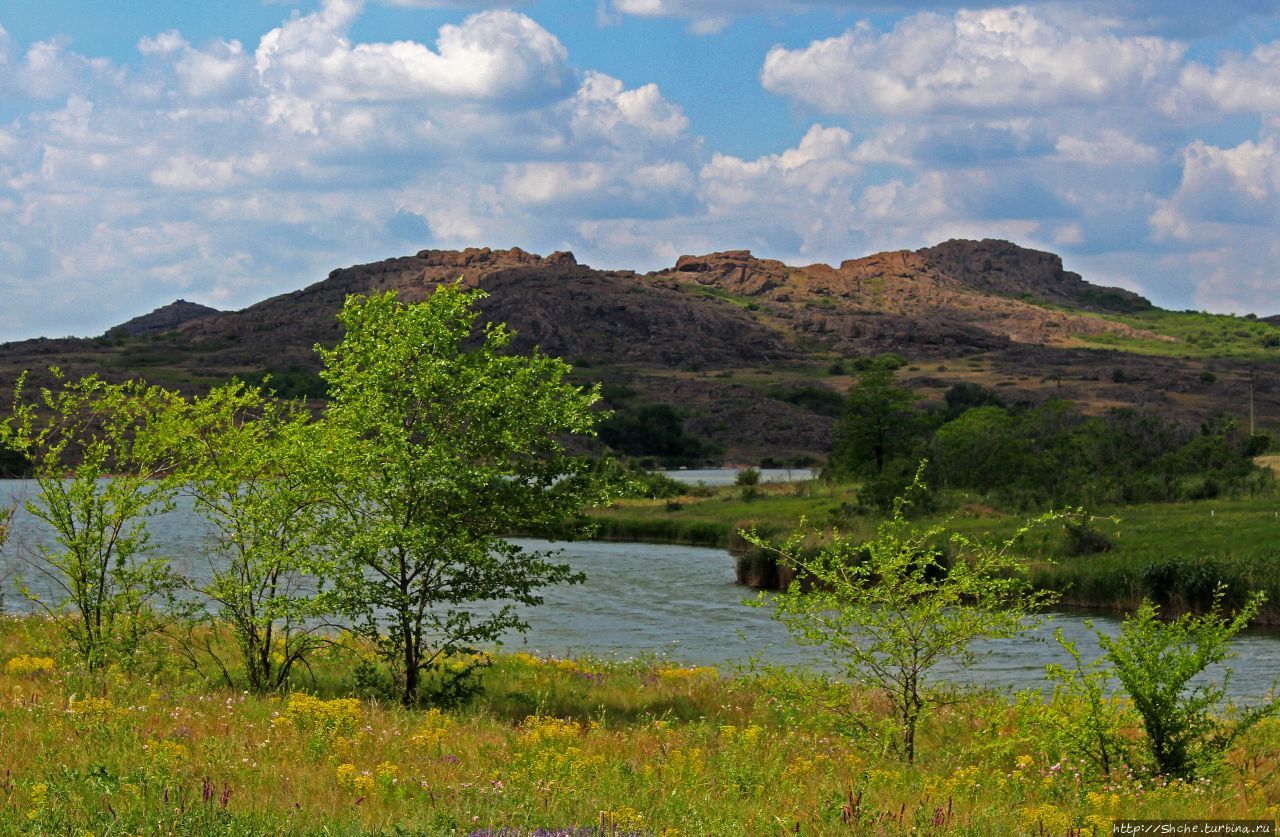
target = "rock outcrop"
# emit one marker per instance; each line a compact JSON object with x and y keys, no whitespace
{"x":165,"y":318}
{"x":721,"y":336}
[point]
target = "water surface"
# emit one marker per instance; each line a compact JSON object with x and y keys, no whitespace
{"x":675,"y":601}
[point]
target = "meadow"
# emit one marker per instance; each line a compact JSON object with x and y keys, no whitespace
{"x":584,"y":746}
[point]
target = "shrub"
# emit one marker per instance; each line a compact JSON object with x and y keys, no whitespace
{"x":887,"y":612}
{"x":1156,"y":660}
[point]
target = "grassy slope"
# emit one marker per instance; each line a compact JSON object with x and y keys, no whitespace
{"x":625,"y":748}
{"x":1194,"y":334}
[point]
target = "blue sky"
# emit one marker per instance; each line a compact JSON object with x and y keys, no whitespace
{"x":156,"y":149}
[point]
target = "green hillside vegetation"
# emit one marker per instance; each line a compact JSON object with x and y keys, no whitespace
{"x":1194,"y":334}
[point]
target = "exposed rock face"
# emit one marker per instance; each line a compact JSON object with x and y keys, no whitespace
{"x":713,"y":334}
{"x":554,"y":303}
{"x":165,"y":318}
{"x":971,"y":294}
{"x":1002,"y":267}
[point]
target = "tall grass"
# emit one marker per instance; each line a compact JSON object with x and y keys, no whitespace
{"x":584,"y":746}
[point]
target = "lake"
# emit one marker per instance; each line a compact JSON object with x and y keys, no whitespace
{"x":679,"y":602}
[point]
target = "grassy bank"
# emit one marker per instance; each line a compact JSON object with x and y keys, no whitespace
{"x":1174,"y":553}
{"x":586,"y":746}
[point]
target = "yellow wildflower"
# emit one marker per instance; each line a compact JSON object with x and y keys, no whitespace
{"x":326,"y":717}
{"x":25,"y":664}
{"x":1046,"y":816}
{"x":543,"y":729}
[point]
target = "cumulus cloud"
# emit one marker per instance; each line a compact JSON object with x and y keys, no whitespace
{"x":989,"y":61}
{"x":1220,"y":222}
{"x":1178,"y":18}
{"x":309,"y":65}
{"x":1239,"y":84}
{"x":225,"y":173}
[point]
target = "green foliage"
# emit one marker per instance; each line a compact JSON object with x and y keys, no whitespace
{"x":1085,"y":538}
{"x":1193,"y":334}
{"x":439,"y":452}
{"x":654,"y":430}
{"x":248,"y":463}
{"x":965,"y":395}
{"x":293,"y":382}
{"x":1155,"y":661}
{"x":888,"y":611}
{"x":96,"y":478}
{"x":815,"y":399}
{"x":1054,"y":454}
{"x":878,"y":424}
{"x":979,"y":449}
{"x":1082,"y":715}
{"x":14,"y":463}
{"x":632,"y":480}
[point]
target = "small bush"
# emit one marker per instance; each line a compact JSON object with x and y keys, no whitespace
{"x":1155,"y":661}
{"x":1085,"y":539}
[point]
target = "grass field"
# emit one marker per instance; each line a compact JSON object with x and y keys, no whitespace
{"x":569,"y":746}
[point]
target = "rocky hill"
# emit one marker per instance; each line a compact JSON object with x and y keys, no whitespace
{"x":729,"y":339}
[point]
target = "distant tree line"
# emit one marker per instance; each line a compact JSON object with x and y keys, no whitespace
{"x":1035,"y":454}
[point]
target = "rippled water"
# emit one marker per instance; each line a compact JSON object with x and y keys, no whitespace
{"x":682,"y":602}
{"x":727,"y":476}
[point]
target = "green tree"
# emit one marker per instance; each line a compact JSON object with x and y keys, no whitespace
{"x":879,"y":424}
{"x":886,"y":613}
{"x":1155,"y":660}
{"x":249,"y":463}
{"x":444,"y":450}
{"x":655,"y":430}
{"x":979,"y":449}
{"x":97,"y":480}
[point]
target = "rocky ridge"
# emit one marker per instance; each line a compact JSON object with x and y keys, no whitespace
{"x":716,"y":335}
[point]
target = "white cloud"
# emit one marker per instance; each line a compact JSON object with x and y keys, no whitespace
{"x":989,"y":61}
{"x":1226,"y":194}
{"x":1239,"y":84}
{"x":224,"y":174}
{"x":603,"y":108}
{"x":1178,"y":18}
{"x":495,"y":55}
{"x":1220,"y":223}
{"x":1108,"y":147}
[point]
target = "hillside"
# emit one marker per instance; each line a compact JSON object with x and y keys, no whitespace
{"x":729,"y":339}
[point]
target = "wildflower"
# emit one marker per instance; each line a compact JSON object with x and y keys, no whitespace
{"x":324,"y":717}
{"x":435,"y":724}
{"x":91,"y":707}
{"x":25,"y":664}
{"x":1044,"y":818}
{"x":621,"y":820}
{"x":542,"y":729}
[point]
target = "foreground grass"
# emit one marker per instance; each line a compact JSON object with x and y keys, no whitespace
{"x":586,"y":747}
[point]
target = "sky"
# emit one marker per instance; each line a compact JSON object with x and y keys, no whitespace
{"x":226,"y":152}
